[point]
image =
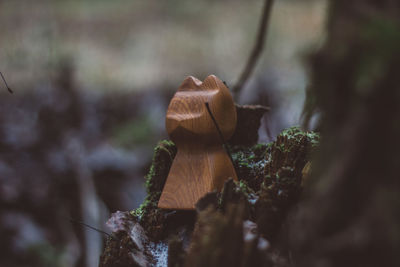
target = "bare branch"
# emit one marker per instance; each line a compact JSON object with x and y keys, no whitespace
{"x":257,"y":49}
{"x":8,"y":88}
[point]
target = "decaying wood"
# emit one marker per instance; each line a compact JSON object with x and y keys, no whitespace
{"x":201,"y":164}
{"x":236,"y":227}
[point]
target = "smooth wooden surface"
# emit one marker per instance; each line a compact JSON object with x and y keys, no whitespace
{"x":201,"y":164}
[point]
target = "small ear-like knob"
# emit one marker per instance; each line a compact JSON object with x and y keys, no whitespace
{"x":190,"y":83}
{"x":187,"y":118}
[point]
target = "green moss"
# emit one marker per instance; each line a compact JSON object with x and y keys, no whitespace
{"x":164,"y":154}
{"x":268,"y":173}
{"x":269,"y":182}
{"x":295,"y":134}
{"x":139,"y":211}
{"x":281,"y":185}
{"x":148,"y":213}
{"x":249,"y":163}
{"x":244,"y":188}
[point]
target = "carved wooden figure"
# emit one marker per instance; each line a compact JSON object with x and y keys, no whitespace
{"x":201,"y":164}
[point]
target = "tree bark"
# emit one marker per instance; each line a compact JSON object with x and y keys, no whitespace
{"x":350,"y":216}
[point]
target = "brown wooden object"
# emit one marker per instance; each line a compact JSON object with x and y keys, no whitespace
{"x":201,"y":164}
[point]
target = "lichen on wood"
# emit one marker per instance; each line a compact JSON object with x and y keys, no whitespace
{"x":148,"y":213}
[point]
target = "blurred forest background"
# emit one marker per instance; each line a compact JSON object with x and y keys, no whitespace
{"x":92,"y":81}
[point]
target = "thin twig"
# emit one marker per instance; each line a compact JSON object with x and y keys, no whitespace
{"x":113,"y":237}
{"x":8,"y":88}
{"x":91,"y":227}
{"x":219,"y":132}
{"x":257,"y":49}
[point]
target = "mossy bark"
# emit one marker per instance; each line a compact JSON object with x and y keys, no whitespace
{"x":235,"y":227}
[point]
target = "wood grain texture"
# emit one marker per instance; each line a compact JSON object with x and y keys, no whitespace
{"x":201,"y":164}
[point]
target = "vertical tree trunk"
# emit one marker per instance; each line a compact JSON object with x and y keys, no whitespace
{"x":351,"y":215}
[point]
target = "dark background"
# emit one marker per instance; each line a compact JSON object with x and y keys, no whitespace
{"x":92,"y":81}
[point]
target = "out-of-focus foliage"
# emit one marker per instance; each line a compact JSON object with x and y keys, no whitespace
{"x":92,"y":80}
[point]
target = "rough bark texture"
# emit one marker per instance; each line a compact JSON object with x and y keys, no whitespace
{"x":236,"y":227}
